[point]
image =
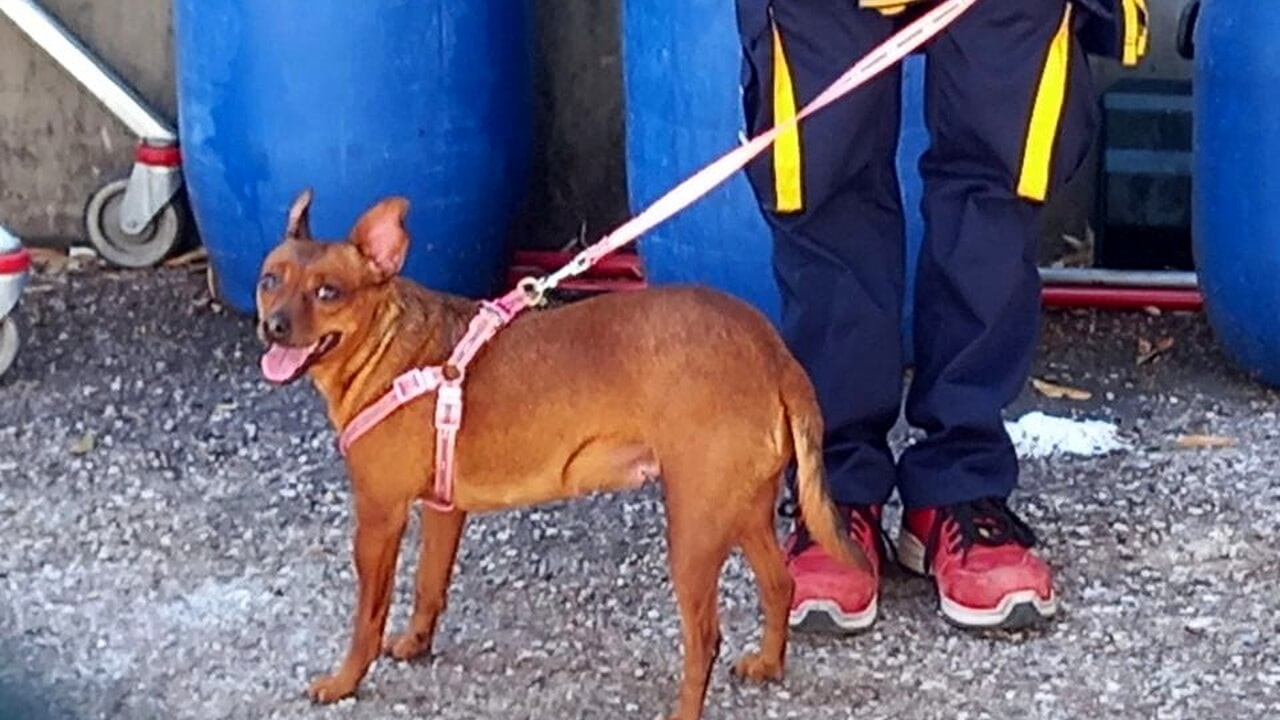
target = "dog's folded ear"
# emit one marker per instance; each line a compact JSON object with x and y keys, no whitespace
{"x":299,"y":226}
{"x":381,"y":237}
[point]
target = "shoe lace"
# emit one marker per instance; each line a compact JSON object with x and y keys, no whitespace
{"x":857,"y":519}
{"x":988,"y":522}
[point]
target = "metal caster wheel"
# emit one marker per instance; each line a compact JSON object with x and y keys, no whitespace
{"x":10,"y":341}
{"x":145,"y":249}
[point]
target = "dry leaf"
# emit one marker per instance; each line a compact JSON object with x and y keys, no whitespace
{"x":1204,"y":441}
{"x":48,"y":260}
{"x":1079,"y":252}
{"x":44,"y":254}
{"x":1148,"y":351}
{"x":1058,"y":392}
{"x":211,"y":284}
{"x":84,"y":445}
{"x":193,"y":258}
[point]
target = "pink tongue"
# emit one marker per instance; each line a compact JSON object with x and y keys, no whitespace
{"x":281,"y":364}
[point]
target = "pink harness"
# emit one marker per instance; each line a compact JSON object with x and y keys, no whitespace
{"x":446,"y":380}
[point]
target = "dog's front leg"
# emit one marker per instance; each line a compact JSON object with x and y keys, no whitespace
{"x":379,"y":528}
{"x":441,"y":532}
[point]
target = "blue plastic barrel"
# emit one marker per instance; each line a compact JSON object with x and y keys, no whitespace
{"x":681,"y":68}
{"x":1236,"y":192}
{"x":429,"y":99}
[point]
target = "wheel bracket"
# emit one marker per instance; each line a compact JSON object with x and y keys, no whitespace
{"x":10,"y":343}
{"x":150,"y":189}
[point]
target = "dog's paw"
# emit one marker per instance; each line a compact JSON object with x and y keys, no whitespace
{"x":757,"y":668}
{"x":330,"y":688}
{"x":405,"y":646}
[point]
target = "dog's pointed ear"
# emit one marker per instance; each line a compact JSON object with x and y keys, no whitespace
{"x":381,"y":238}
{"x":299,"y":226}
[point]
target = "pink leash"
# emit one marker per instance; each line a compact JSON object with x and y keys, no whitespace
{"x":446,"y":380}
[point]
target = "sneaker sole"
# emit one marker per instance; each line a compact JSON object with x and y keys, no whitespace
{"x":1016,"y":611}
{"x":824,"y":617}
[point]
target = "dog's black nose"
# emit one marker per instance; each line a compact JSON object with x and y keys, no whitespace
{"x":276,"y":326}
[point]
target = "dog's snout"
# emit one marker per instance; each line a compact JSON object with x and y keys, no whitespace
{"x":276,"y":326}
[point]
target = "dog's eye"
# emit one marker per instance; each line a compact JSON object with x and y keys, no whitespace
{"x":269,"y":282}
{"x":327,"y":293}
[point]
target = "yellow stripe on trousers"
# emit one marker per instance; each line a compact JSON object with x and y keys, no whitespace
{"x":1046,"y":114}
{"x":787,"y":192}
{"x":1135,"y":31}
{"x":886,"y":7}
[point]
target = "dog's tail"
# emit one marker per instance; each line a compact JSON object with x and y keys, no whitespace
{"x":816,"y":506}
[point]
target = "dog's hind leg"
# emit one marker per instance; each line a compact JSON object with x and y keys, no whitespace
{"x":441,"y":532}
{"x":759,"y":543}
{"x":697,"y":551}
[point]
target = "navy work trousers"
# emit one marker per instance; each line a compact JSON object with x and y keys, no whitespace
{"x":1011,"y":113}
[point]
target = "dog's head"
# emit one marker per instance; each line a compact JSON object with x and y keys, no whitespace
{"x":316,"y":300}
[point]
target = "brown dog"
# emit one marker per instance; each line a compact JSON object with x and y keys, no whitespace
{"x":689,"y":386}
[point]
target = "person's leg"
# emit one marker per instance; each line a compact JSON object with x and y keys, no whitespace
{"x":1011,"y":114}
{"x":830,"y":195}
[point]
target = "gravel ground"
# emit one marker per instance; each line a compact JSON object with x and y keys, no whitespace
{"x":175,"y":545}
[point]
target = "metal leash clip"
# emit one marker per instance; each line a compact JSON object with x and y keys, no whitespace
{"x":534,"y":291}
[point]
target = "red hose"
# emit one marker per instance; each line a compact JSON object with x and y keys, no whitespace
{"x":624,"y":272}
{"x":1121,"y":298}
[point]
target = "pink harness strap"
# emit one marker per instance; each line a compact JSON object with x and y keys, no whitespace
{"x":404,"y":389}
{"x":446,"y":380}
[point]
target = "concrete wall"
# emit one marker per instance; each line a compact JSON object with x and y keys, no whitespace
{"x":57,"y":145}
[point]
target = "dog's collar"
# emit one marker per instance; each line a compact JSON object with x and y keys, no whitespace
{"x":446,"y":382}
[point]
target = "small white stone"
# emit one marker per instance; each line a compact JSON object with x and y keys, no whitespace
{"x":1199,"y":624}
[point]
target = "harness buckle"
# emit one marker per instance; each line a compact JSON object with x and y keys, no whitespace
{"x":449,"y":407}
{"x":411,"y":385}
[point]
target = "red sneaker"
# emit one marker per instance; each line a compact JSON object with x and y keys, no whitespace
{"x":831,"y":597}
{"x":979,"y":555}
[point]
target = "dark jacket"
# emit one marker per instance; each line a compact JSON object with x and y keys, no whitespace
{"x":1109,"y":28}
{"x":1115,"y":28}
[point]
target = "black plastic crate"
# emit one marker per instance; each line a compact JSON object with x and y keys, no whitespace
{"x":1143,"y":204}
